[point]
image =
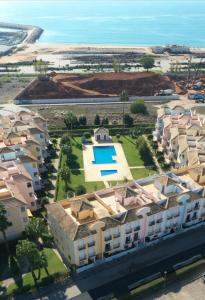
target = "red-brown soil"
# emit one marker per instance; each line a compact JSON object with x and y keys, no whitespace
{"x":97,"y":85}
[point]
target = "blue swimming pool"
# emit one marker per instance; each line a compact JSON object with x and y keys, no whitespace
{"x":108,"y":172}
{"x":104,"y":154}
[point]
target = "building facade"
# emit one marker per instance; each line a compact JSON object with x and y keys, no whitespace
{"x":96,"y":226}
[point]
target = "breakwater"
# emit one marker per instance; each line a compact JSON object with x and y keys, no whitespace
{"x":33,"y":32}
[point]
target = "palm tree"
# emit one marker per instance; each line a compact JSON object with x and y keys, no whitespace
{"x":65,"y":175}
{"x":124,"y":97}
{"x":4,"y":224}
{"x":36,"y":229}
{"x":67,"y":150}
{"x":29,"y":252}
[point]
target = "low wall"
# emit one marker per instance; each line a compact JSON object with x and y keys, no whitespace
{"x":94,"y":100}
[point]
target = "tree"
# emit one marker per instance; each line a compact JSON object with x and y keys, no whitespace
{"x":65,"y":139}
{"x":97,"y":120}
{"x":124,"y":97}
{"x":65,"y":175}
{"x":40,"y":67}
{"x":128,"y":120}
{"x":80,"y":190}
{"x":147,"y":62}
{"x":71,"y":121}
{"x":82,"y":120}
{"x":4,"y":224}
{"x":67,"y":150}
{"x":138,"y":107}
{"x":116,"y":65}
{"x":105,"y":121}
{"x":144,"y":151}
{"x":28,"y":251}
{"x":36,"y":229}
{"x":87,"y":135}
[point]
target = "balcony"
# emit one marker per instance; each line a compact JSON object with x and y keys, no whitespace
{"x":116,"y":235}
{"x":81,"y":247}
{"x":116,"y":246}
{"x":159,"y":221}
{"x":136,"y":228}
{"x":108,"y":238}
{"x":151,"y":223}
{"x":128,"y":231}
{"x":92,"y":254}
{"x":91,"y":244}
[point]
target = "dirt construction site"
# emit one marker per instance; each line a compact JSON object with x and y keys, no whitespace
{"x":61,"y":86}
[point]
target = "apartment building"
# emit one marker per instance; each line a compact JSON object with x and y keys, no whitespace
{"x":16,"y":207}
{"x":14,"y":174}
{"x":101,"y":224}
{"x":180,"y":134}
{"x":24,"y":137}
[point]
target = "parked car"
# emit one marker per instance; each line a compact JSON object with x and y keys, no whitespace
{"x":197,"y":96}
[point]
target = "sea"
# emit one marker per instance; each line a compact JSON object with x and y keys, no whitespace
{"x":112,"y":22}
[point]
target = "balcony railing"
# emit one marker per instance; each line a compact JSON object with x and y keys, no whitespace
{"x":116,"y":235}
{"x":82,"y":247}
{"x":127,"y":231}
{"x":108,"y":238}
{"x":91,"y":244}
{"x":151,"y":223}
{"x":92,"y":254}
{"x":159,"y":220}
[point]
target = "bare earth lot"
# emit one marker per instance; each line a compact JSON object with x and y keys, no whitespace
{"x":55,"y":114}
{"x":11,"y":86}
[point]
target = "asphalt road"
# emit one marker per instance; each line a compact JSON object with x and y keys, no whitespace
{"x":120,"y":285}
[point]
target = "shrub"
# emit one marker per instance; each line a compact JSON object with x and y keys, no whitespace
{"x":97,"y":120}
{"x":118,"y":136}
{"x":105,"y":121}
{"x":65,"y":139}
{"x":138,"y":107}
{"x":128,"y":120}
{"x":87,"y":135}
{"x":80,"y":190}
{"x":82,"y":120}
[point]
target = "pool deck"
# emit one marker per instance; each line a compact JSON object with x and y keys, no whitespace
{"x":92,"y":171}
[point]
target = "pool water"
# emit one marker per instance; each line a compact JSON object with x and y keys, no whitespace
{"x":108,"y":172}
{"x":104,"y":154}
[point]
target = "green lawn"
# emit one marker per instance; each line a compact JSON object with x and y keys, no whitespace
{"x":55,"y":265}
{"x":141,"y":173}
{"x":76,"y":162}
{"x":77,"y":176}
{"x":131,"y":153}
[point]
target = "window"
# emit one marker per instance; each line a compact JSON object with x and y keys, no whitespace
{"x":128,"y":239}
{"x":35,"y":174}
{"x":37,"y":149}
{"x":29,"y":184}
{"x":23,"y":208}
{"x":107,"y":247}
{"x":41,"y":136}
{"x":32,"y":203}
{"x":136,"y":236}
{"x":30,"y":194}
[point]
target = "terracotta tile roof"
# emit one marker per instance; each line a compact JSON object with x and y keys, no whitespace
{"x":6,"y":150}
{"x":80,"y":205}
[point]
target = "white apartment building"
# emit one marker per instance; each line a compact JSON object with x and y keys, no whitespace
{"x":180,"y":134}
{"x":98,"y":225}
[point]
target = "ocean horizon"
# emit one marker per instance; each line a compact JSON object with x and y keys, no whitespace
{"x":112,"y":22}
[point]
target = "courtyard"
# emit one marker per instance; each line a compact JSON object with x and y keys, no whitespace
{"x":84,"y":172}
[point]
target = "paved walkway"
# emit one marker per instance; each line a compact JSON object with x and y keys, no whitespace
{"x":55,"y":163}
{"x":154,"y":156}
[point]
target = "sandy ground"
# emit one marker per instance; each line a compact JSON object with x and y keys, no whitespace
{"x":55,"y":53}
